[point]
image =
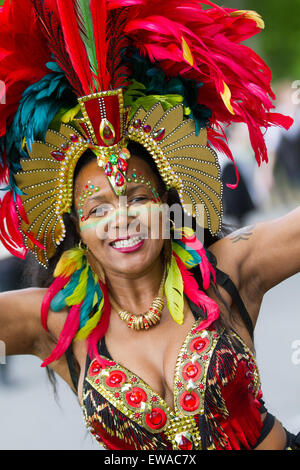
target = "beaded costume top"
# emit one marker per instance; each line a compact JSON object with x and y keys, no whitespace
{"x":213,"y":368}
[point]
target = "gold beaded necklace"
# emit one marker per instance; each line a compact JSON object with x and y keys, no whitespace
{"x":145,"y":320}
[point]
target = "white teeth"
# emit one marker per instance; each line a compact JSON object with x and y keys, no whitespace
{"x":125,"y":243}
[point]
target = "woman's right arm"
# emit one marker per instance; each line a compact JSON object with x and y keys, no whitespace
{"x":20,"y":324}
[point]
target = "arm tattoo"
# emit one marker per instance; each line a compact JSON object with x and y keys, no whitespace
{"x":242,"y":234}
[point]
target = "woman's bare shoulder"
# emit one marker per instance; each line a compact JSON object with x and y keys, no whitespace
{"x":232,"y":251}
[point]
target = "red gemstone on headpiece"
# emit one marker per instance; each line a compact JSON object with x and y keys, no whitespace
{"x":122,"y":165}
{"x":119,"y":179}
{"x":65,"y":147}
{"x":59,"y":156}
{"x":74,"y":138}
{"x":147,"y":128}
{"x":159,"y":135}
{"x":137,"y":123}
{"x":108,"y":133}
{"x":108,"y":169}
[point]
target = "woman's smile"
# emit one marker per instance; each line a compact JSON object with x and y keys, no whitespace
{"x":128,"y":245}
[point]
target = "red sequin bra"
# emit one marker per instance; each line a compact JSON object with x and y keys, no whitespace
{"x":217,"y":400}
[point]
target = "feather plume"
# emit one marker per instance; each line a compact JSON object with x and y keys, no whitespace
{"x":10,"y":234}
{"x":236,"y":81}
{"x":205,"y":266}
{"x":55,"y":287}
{"x":100,"y":330}
{"x":74,"y":44}
{"x":174,"y":292}
{"x":99,"y":15}
{"x":66,"y":336}
{"x":192,"y":291}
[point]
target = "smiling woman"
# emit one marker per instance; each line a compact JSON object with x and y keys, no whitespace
{"x":116,"y":128}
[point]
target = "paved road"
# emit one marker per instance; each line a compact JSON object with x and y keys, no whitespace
{"x":30,"y":418}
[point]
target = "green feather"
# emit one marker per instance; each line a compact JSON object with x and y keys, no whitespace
{"x":184,"y":255}
{"x":87,"y":32}
{"x":174,"y":292}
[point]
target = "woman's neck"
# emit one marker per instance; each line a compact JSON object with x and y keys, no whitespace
{"x":136,"y":292}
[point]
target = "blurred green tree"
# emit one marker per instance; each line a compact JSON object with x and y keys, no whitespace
{"x":279,"y":42}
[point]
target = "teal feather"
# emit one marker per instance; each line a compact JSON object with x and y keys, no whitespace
{"x":87,"y":305}
{"x":195,"y":256}
{"x":58,"y":303}
{"x":39,"y":104}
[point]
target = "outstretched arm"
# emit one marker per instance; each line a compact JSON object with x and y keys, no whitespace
{"x":20,"y":326}
{"x":269,"y":252}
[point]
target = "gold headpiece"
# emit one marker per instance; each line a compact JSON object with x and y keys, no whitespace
{"x":184,"y":161}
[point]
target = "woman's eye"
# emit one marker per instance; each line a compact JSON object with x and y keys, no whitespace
{"x":138,"y":199}
{"x":100,"y":211}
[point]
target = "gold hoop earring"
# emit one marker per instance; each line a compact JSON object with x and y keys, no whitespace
{"x":172,"y":223}
{"x":82,"y":246}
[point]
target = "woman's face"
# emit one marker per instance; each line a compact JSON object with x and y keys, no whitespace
{"x":125,"y":234}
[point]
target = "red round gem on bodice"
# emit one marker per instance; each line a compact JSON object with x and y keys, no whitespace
{"x":199,"y":345}
{"x":95,"y":368}
{"x":115,"y":379}
{"x":189,"y":401}
{"x":191,"y":371}
{"x":156,"y":419}
{"x":136,"y":396}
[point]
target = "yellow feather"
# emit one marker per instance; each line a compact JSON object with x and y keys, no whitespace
{"x":90,"y":324}
{"x":184,"y":255}
{"x":174,"y":292}
{"x":186,"y":51}
{"x":70,"y":115}
{"x":80,"y":291}
{"x":69,"y":262}
{"x":252,"y":15}
{"x":226,"y":97}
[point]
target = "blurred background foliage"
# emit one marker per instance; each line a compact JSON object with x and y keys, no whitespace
{"x":279,"y":42}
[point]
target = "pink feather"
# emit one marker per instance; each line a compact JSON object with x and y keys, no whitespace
{"x":100,"y":330}
{"x":198,"y":297}
{"x":58,"y":284}
{"x":66,"y":336}
{"x":10,"y":234}
{"x":205,"y":266}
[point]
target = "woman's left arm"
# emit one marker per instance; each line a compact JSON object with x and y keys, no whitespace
{"x":267,"y":253}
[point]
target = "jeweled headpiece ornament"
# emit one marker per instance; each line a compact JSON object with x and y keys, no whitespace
{"x":95,"y":74}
